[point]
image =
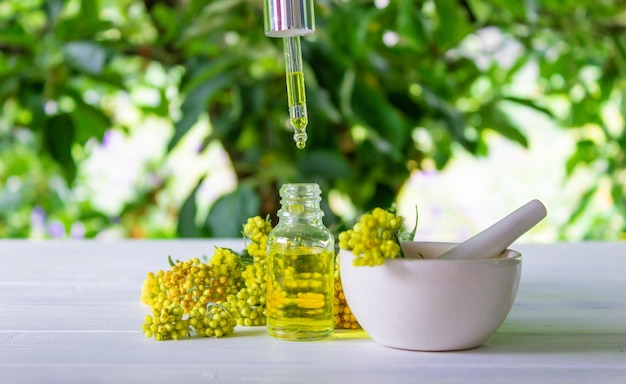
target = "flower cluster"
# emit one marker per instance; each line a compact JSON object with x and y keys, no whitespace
{"x":210,"y":298}
{"x":373,"y":238}
{"x":344,"y":318}
{"x":181,"y":296}
{"x":248,"y":304}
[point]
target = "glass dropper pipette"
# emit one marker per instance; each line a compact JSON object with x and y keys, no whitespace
{"x":290,"y":19}
{"x":296,"y":96}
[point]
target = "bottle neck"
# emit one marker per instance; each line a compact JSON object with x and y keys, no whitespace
{"x":300,"y":203}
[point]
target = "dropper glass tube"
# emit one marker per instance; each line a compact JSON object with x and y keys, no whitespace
{"x":296,"y":96}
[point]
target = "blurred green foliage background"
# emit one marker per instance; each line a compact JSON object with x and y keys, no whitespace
{"x":394,"y":88}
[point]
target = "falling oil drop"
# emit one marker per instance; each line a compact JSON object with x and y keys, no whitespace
{"x":300,"y":137}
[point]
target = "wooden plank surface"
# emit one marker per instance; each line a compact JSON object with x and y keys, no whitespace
{"x":70,"y":313}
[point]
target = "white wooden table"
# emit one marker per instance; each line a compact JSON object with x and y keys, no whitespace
{"x":70,"y":313}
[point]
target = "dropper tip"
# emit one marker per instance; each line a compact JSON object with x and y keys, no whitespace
{"x":300,"y":139}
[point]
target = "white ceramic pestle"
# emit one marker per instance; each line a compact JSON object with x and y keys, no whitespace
{"x":492,"y":241}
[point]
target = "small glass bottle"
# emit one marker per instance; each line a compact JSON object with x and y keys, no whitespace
{"x":300,"y":289}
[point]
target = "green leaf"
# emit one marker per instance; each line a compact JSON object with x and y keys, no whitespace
{"x":498,"y":120}
{"x":90,"y":122}
{"x":454,"y":120}
{"x":346,"y":90}
{"x":372,"y":109}
{"x":481,"y":9}
{"x":409,"y":236}
{"x":608,"y":80}
{"x":15,"y":37}
{"x":585,"y":112}
{"x":620,"y":44}
{"x":324,"y":163}
{"x":198,"y":73}
{"x":169,"y":29}
{"x":89,"y":10}
{"x":210,"y":14}
{"x":53,"y":9}
{"x":531,"y":104}
{"x":59,"y":133}
{"x":520,"y":63}
{"x":320,"y":102}
{"x":9,"y":85}
{"x":85,"y":25}
{"x":85,"y":56}
{"x":170,"y":261}
{"x":583,"y":204}
{"x":208,"y":84}
{"x":410,"y":24}
{"x":587,"y":152}
{"x":230,"y":211}
{"x":246,"y":258}
{"x":453,"y":25}
{"x":186,"y":226}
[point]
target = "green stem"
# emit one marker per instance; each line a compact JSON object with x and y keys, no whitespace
{"x":397,"y":239}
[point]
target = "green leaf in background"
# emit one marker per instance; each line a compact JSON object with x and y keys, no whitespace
{"x":586,"y":197}
{"x":89,"y":10}
{"x":230,"y":211}
{"x":373,"y":110}
{"x":201,"y":88}
{"x":587,"y":152}
{"x":480,"y":10}
{"x":531,"y":104}
{"x":187,"y":226}
{"x":169,"y":29}
{"x":9,"y":84}
{"x":324,"y":163}
{"x":452,"y":118}
{"x":453,"y":24}
{"x":85,"y":25}
{"x":15,"y":37}
{"x":53,"y":9}
{"x":496,"y":119}
{"x":90,"y":122}
{"x":86,"y":56}
{"x":59,"y":135}
{"x":410,"y":23}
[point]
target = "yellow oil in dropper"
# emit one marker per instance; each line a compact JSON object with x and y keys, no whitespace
{"x":296,"y":96}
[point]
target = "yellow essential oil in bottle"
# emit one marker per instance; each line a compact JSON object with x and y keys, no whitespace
{"x":300,"y":292}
